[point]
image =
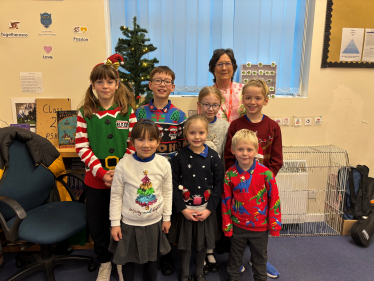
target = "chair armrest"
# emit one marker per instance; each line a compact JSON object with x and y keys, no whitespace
{"x":79,"y":177}
{"x":12,"y":234}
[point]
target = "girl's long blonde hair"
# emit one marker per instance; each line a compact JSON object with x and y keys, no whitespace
{"x":123,"y":97}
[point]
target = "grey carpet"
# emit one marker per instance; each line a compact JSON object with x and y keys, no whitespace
{"x":334,"y":258}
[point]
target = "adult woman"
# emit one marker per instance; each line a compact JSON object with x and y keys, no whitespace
{"x":223,"y":66}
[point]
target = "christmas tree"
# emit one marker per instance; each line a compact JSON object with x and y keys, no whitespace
{"x":175,"y":116}
{"x":145,"y":191}
{"x":132,"y":49}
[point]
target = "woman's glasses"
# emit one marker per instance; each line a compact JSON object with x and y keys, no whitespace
{"x":227,"y":64}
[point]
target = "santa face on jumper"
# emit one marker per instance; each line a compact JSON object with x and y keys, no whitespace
{"x":160,"y":130}
{"x":173,"y":132}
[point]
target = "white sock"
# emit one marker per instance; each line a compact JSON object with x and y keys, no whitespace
{"x":211,"y":258}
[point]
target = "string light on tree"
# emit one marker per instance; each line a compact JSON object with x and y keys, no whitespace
{"x":137,"y":70}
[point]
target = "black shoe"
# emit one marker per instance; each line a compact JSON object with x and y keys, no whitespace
{"x":167,"y":266}
{"x":200,"y":277}
{"x":206,"y":269}
{"x":213,"y":266}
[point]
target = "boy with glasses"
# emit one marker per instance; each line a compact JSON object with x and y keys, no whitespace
{"x":170,"y":121}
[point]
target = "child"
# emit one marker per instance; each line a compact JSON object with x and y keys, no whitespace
{"x":142,"y":195}
{"x":255,"y":96}
{"x":170,"y":121}
{"x":104,"y":125}
{"x":250,"y":206}
{"x":209,"y":102}
{"x":197,"y":185}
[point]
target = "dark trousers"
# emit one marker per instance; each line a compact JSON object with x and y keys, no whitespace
{"x":149,"y":271}
{"x":258,"y":242}
{"x":97,"y":206}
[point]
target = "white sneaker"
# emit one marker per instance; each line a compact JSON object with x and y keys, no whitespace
{"x":119,"y":270}
{"x":104,"y":271}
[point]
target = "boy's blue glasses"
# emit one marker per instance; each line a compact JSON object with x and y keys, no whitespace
{"x":208,"y":106}
{"x":159,"y":81}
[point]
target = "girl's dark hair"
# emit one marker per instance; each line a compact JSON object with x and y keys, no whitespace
{"x":123,"y":97}
{"x":216,"y":55}
{"x":142,"y":127}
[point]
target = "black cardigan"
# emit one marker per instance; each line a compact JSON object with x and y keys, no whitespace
{"x":192,"y":171}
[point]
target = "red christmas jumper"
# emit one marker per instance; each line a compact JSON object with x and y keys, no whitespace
{"x":269,"y":139}
{"x":250,"y":200}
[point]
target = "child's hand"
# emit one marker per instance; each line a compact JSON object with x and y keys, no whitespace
{"x":116,"y":233}
{"x":201,"y":216}
{"x":166,"y":226}
{"x":189,"y":214}
{"x":108,"y":178}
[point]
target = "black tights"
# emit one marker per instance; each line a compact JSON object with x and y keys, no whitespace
{"x":186,"y":259}
{"x":150,"y":271}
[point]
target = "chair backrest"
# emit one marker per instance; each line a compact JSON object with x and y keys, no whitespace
{"x":26,"y":183}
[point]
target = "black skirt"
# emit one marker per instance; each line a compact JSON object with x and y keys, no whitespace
{"x":139,"y":244}
{"x":199,"y":234}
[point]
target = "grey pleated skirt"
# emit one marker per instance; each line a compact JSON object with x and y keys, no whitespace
{"x":197,"y":234}
{"x":139,"y":244}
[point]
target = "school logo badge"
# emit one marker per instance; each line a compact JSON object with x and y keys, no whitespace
{"x":46,"y":19}
{"x":122,"y":124}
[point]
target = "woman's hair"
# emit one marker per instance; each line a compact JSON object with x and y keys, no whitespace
{"x":206,"y":91}
{"x":142,"y":127}
{"x":246,"y":136}
{"x":195,"y":118}
{"x":216,"y":55}
{"x":162,"y":69}
{"x":122,"y":96}
{"x":257,"y":83}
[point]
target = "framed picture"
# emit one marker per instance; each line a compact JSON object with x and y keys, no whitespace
{"x":335,"y":44}
{"x":24,"y":111}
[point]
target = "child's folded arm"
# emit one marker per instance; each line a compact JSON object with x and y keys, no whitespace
{"x":84,"y":151}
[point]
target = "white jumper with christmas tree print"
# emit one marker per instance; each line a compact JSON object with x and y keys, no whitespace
{"x":141,"y":191}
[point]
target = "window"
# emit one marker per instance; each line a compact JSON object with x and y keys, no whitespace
{"x":186,"y":32}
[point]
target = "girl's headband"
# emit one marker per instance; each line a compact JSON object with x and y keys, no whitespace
{"x":113,"y":62}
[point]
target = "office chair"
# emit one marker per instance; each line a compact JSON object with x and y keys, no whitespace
{"x":24,"y":214}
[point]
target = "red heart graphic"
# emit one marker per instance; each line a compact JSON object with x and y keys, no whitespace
{"x":47,"y":49}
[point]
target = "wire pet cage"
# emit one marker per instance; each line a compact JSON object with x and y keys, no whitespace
{"x":311,"y":195}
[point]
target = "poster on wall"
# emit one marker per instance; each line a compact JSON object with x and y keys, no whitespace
{"x":24,"y":111}
{"x":31,"y":82}
{"x":351,"y":45}
{"x":368,"y":45}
